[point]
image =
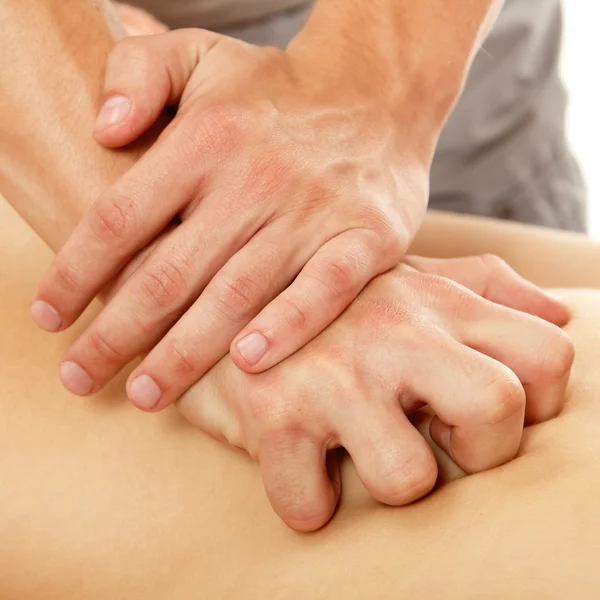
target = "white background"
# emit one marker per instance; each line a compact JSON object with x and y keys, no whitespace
{"x":581,"y":71}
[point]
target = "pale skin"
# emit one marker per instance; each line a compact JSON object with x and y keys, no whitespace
{"x":100,"y":500}
{"x":284,"y":418}
{"x":296,"y":185}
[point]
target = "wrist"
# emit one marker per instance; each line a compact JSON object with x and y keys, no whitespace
{"x":402,"y":58}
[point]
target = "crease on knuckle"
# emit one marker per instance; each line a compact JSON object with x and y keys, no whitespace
{"x":112,"y":221}
{"x":164,"y":282}
{"x":68,"y":278}
{"x":236,"y":298}
{"x":294,"y":316}
{"x":184,"y":360}
{"x":339,"y":277}
{"x":101,"y":343}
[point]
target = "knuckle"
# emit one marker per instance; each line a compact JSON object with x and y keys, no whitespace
{"x":268,"y":60}
{"x":267,"y":175}
{"x":67,"y":276}
{"x":236,"y":298}
{"x":299,"y":512}
{"x":339,"y":276}
{"x":392,"y":235}
{"x":293,"y":404}
{"x":131,"y":49}
{"x":505,"y":398}
{"x":279,"y":416}
{"x":219,"y":129}
{"x":440,"y":286}
{"x":449,"y":295}
{"x":402,"y":482}
{"x":164,"y":282}
{"x":184,"y":361}
{"x":556,"y":358}
{"x":102,"y":344}
{"x":293,"y":314}
{"x":491,"y":263}
{"x":111,"y":221}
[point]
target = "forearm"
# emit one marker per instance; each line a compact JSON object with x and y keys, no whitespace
{"x":52,"y":57}
{"x":402,"y":48}
{"x":548,"y":258}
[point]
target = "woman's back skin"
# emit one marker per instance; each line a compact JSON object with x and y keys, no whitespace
{"x":102,"y":501}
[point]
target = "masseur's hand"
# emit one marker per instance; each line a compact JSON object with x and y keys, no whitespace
{"x":138,"y":21}
{"x":410,"y":337}
{"x":296,"y":184}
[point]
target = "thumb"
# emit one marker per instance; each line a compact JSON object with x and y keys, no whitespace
{"x":144,"y":74}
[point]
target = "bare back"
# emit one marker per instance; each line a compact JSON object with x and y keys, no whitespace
{"x":102,"y":501}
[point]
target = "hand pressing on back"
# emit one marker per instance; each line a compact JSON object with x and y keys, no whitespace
{"x":415,"y":335}
{"x":293,"y":189}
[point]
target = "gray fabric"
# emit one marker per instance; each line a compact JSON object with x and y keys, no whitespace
{"x":503,"y":152}
{"x":210,"y":14}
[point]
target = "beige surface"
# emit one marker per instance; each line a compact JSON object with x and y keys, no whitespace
{"x":101,"y":501}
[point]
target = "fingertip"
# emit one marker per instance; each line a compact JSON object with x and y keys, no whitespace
{"x":144,"y":393}
{"x":45,"y":316}
{"x":75,"y":379}
{"x":118,"y":125}
{"x":118,"y":135}
{"x":307,"y":519}
{"x":115,"y":111}
{"x":249,"y":351}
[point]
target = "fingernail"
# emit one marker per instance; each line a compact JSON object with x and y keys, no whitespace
{"x":252,"y":347}
{"x":113,"y":111}
{"x":45,"y":316}
{"x":75,"y":379}
{"x":144,"y":392}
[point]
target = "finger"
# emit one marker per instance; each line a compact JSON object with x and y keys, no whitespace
{"x":155,"y":295}
{"x":392,"y":459}
{"x":492,"y":278}
{"x":138,"y":21}
{"x":328,"y":283}
{"x":479,"y":402}
{"x":540,"y":354}
{"x":143,"y":75}
{"x":119,"y":224}
{"x":302,"y":483}
{"x":252,"y":277}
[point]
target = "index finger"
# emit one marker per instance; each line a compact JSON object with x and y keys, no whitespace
{"x":121,"y":222}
